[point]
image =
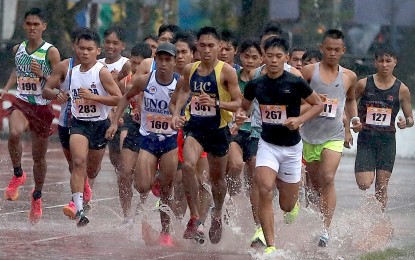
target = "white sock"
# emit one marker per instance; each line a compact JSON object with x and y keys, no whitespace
{"x":78,"y":199}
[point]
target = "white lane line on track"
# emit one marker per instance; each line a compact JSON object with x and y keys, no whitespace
{"x":54,"y":206}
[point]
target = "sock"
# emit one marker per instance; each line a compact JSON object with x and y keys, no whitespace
{"x":18,"y":172}
{"x":37,"y":194}
{"x":78,"y":199}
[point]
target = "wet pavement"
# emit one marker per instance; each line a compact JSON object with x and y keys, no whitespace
{"x":358,"y":227}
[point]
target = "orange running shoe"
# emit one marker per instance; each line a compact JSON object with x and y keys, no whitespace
{"x":12,"y":191}
{"x":87,"y":192}
{"x":165,"y":240}
{"x":70,"y":210}
{"x":35,"y":213}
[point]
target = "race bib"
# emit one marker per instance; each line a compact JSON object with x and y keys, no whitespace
{"x":159,"y":124}
{"x":29,"y":86}
{"x":87,"y":108}
{"x":330,"y":107}
{"x":198,"y":110}
{"x":378,"y":116}
{"x":272,"y":114}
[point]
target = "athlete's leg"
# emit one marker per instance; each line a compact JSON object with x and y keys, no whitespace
{"x":168,"y":164}
{"x":18,"y":124}
{"x":191,"y":153}
{"x":265,"y":180}
{"x":217,"y":170}
{"x":234,"y":169}
{"x":125,"y":180}
{"x":79,"y":146}
{"x":381,"y":187}
{"x":329,"y":163}
{"x":39,"y":149}
{"x":205,"y":199}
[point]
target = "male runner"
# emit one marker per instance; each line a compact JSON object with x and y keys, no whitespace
{"x":278,"y":161}
{"x":158,"y":140}
{"x":34,"y":59}
{"x":214,"y":91}
{"x":381,"y":96}
{"x":229,"y":49}
{"x":60,"y":80}
{"x":324,"y":136}
{"x":295,"y":57}
{"x":92,"y":90}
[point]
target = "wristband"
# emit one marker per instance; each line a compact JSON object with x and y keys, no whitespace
{"x":217,"y":103}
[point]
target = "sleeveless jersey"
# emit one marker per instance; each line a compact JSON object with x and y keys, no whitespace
{"x":378,"y":108}
{"x":83,"y":109}
{"x":204,"y":117}
{"x":155,"y":113}
{"x":115,"y":65}
{"x":328,"y":126}
{"x":65,"y":113}
{"x":29,"y":85}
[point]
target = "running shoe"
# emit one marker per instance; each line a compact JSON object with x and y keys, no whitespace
{"x":289,"y":217}
{"x":270,"y":250}
{"x":165,"y":240}
{"x":12,"y":191}
{"x":215,"y":231}
{"x":324,"y":239}
{"x":70,"y":210}
{"x":81,"y":219}
{"x":35,"y":213}
{"x":87,"y":192}
{"x":258,"y":238}
{"x":194,"y":231}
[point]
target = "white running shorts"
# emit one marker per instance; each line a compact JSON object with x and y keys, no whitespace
{"x":284,"y":160}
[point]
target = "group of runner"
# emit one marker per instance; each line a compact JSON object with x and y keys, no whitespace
{"x":183,"y":115}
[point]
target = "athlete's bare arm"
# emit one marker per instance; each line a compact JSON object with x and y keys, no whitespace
{"x":360,"y":88}
{"x":405,"y":100}
{"x":230,"y":83}
{"x":351,"y":105}
{"x":173,"y":100}
{"x":307,"y":72}
{"x":296,"y":72}
{"x":54,"y":58}
{"x":54,"y":81}
{"x":182,"y":97}
{"x":144,"y":67}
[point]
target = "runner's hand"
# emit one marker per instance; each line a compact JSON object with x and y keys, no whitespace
{"x":61,"y":97}
{"x":234,"y":129}
{"x":206,"y":100}
{"x":3,"y":93}
{"x":85,"y":93}
{"x":240,"y":118}
{"x":356,"y":125}
{"x":109,"y":135}
{"x":401,"y":122}
{"x":292,"y":123}
{"x":36,"y":68}
{"x":177,"y":122}
{"x":348,"y":140}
